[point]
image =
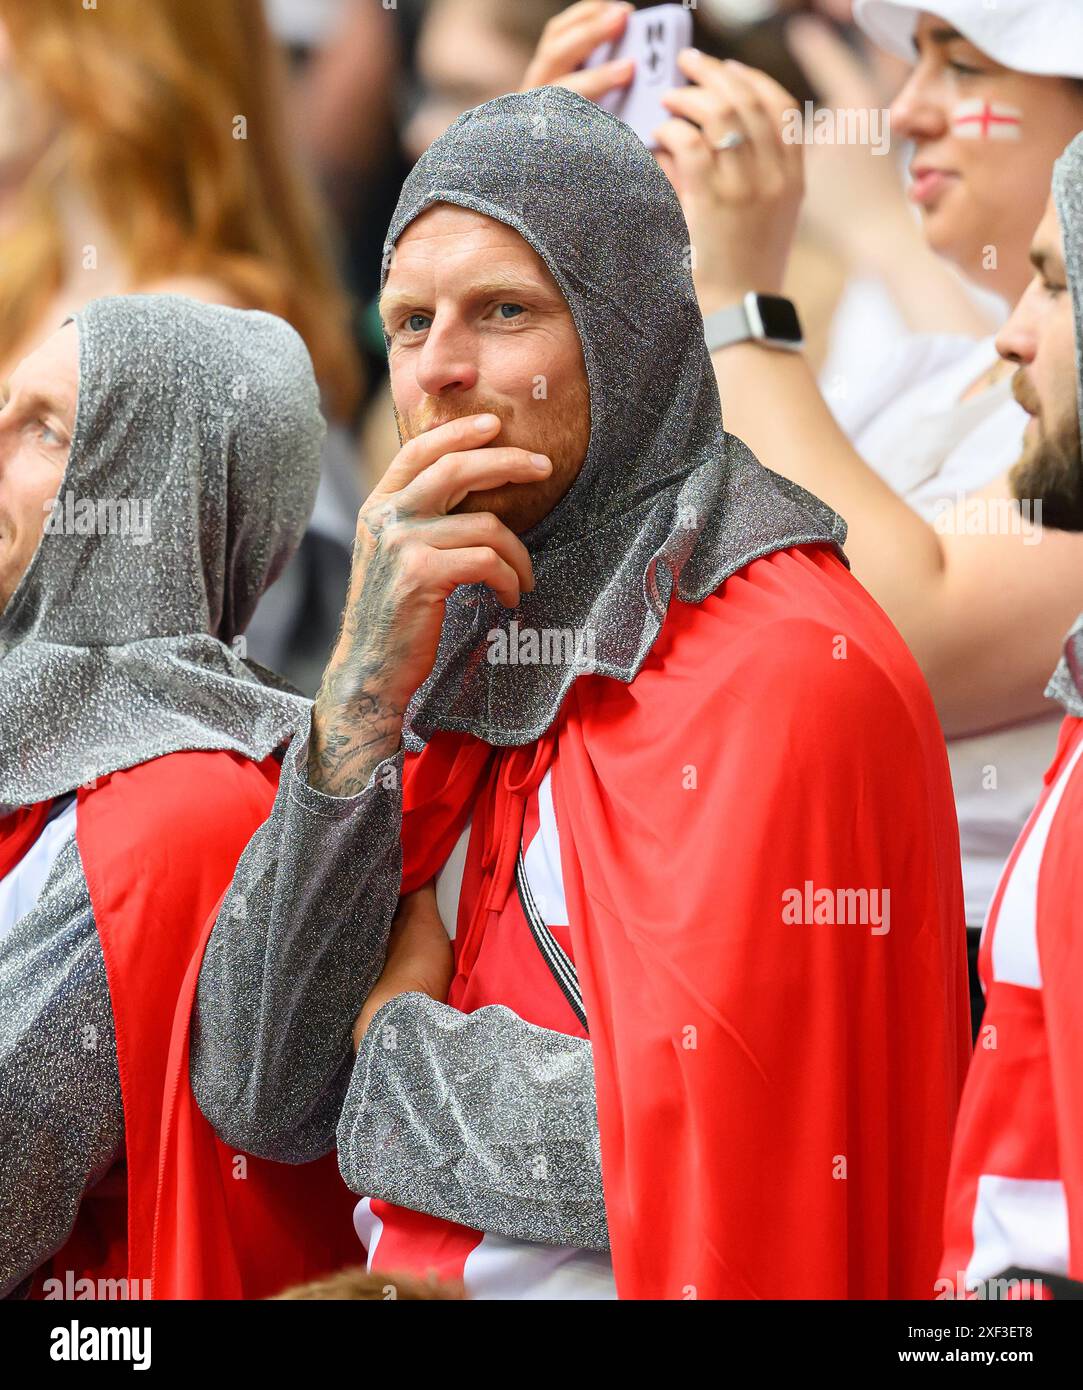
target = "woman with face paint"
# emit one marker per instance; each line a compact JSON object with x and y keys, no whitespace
{"x":918,"y":466}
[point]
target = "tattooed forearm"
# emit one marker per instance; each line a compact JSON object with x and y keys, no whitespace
{"x":357,"y":720}
{"x":349,"y":740}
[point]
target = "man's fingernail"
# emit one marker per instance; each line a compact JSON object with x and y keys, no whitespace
{"x":693,"y":51}
{"x":485,"y":422}
{"x":539,"y":461}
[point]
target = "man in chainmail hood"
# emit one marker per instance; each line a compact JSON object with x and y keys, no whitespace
{"x":1015,"y":1194}
{"x":171,"y":450}
{"x":670,"y":777}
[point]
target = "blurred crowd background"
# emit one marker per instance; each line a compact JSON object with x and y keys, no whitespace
{"x":251,"y":151}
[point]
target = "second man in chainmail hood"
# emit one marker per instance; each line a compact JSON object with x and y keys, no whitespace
{"x":607,"y":696}
{"x":158,"y":460}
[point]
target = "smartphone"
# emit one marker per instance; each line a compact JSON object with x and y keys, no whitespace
{"x":653,"y":37}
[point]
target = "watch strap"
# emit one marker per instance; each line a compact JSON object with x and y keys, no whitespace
{"x":728,"y":325}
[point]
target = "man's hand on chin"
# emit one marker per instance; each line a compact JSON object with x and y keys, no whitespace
{"x":419,"y":958}
{"x":410,"y":552}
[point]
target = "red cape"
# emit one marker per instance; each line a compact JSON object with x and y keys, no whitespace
{"x":775,"y":1098}
{"x":159,"y":844}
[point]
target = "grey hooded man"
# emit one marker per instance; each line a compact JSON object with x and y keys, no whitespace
{"x":1015,"y":1196}
{"x":608,"y":706}
{"x":158,"y":462}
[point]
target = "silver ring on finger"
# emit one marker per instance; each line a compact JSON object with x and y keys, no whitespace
{"x":732,"y":140}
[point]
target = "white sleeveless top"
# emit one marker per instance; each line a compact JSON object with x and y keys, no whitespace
{"x":912,"y":428}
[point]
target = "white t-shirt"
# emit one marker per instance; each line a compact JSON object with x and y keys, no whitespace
{"x":931,"y":447}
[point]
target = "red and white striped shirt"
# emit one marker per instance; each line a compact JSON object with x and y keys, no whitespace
{"x":509,"y":970}
{"x":1008,"y":1195}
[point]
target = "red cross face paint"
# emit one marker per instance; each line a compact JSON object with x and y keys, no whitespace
{"x":987,"y":120}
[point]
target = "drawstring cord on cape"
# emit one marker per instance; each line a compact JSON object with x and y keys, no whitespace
{"x":499,"y":820}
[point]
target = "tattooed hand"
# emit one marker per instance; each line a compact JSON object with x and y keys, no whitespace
{"x":408,"y":556}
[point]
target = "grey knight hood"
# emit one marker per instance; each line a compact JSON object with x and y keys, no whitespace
{"x":667,"y":503}
{"x":1066,"y":685}
{"x":193,"y":467}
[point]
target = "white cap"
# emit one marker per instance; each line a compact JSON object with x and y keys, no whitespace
{"x":1039,"y":36}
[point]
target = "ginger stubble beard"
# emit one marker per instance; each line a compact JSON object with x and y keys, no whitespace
{"x":560,"y":429}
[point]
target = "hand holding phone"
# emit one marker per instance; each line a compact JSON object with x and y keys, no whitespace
{"x":652,"y":38}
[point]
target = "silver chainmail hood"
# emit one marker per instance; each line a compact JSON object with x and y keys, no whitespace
{"x":666,"y":502}
{"x":1066,"y":685}
{"x":193,"y":468}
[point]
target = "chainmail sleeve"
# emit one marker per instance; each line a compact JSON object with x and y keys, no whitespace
{"x":478,"y":1118}
{"x":61,"y":1112}
{"x":299,"y":942}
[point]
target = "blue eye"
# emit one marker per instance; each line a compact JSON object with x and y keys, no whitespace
{"x":517,"y":307}
{"x":412,"y":326}
{"x":48,"y":434}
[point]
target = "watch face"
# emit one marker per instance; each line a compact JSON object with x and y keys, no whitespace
{"x":779,"y":318}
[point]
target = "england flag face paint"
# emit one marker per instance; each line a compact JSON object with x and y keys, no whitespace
{"x":987,"y":120}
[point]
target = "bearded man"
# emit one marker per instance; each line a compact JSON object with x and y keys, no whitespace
{"x":1015,"y":1197}
{"x":606,"y":688}
{"x":158,"y":462}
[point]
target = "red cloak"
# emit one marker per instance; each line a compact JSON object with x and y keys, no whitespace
{"x":159,"y":845}
{"x":776,"y":1094}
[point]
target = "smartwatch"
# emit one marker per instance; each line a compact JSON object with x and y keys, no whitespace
{"x":759,"y":318}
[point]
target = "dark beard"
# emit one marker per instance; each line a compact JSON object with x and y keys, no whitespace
{"x":1052,"y":472}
